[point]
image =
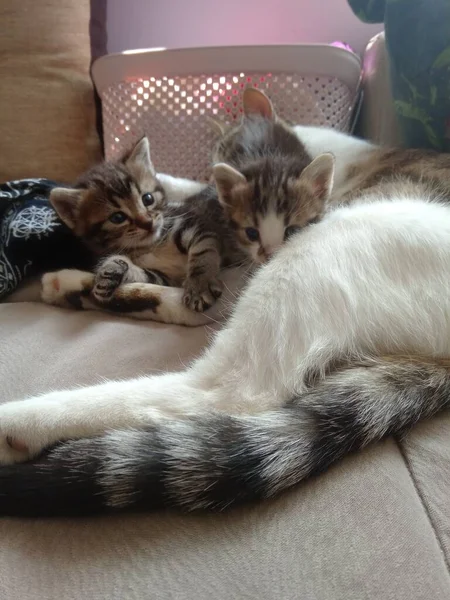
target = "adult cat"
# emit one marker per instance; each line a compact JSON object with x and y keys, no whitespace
{"x":340,"y":340}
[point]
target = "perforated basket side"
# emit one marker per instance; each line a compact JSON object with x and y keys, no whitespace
{"x":174,"y":109}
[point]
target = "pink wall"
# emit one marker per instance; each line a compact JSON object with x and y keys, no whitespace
{"x":181,"y":23}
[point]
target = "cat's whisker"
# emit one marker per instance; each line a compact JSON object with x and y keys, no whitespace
{"x":212,"y":319}
{"x":210,"y":332}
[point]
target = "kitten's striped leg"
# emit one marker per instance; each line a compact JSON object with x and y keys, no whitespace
{"x":202,"y":286}
{"x":165,"y":304}
{"x":117,"y":270}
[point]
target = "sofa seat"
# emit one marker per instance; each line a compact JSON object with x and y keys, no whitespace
{"x":375,"y":526}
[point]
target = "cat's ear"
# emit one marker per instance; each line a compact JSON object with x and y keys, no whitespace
{"x":66,"y":202}
{"x":139,"y":162}
{"x":226,"y":178}
{"x":319,"y":176}
{"x":219,"y":127}
{"x":257,"y":103}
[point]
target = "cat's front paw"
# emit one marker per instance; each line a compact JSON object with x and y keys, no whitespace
{"x":60,"y":287}
{"x":201,"y":295}
{"x":111,"y":274}
{"x":20,"y":436}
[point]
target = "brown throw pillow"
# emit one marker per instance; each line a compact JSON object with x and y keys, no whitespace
{"x":47,"y":110}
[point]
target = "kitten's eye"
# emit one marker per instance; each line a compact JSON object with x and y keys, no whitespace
{"x":291,"y":230}
{"x":118,"y":217}
{"x":252,"y":234}
{"x":148,"y":200}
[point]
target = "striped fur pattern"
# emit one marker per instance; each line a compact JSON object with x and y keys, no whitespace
{"x":266,"y":179}
{"x":195,"y":244}
{"x":218,"y":461}
{"x":105,"y":208}
{"x":122,"y":213}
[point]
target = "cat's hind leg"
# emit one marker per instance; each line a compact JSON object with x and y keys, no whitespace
{"x":70,"y":288}
{"x":66,"y":287}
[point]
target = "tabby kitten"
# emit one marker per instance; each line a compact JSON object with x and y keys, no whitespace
{"x":267,"y":188}
{"x":115,"y":208}
{"x":121,"y":212}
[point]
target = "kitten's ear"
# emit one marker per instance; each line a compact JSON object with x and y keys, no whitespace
{"x":257,"y":103}
{"x":139,"y":162}
{"x":226,"y":177}
{"x":219,"y":127}
{"x":319,"y":175}
{"x":66,"y":202}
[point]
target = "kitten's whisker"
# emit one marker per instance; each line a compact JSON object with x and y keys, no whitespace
{"x":212,"y":319}
{"x":174,"y":217}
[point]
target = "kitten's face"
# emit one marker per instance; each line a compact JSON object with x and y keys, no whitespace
{"x":271,"y":201}
{"x":267,"y":183}
{"x":116,"y":207}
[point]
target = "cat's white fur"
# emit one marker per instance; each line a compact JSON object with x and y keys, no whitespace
{"x":372,"y":278}
{"x":346,"y":150}
{"x":177,"y":189}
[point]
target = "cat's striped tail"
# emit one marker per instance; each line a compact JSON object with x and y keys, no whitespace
{"x":212,"y":462}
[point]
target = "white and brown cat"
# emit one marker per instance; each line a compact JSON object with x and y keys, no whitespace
{"x":341,"y":339}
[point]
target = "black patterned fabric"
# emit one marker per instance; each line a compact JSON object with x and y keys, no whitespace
{"x":33,"y":239}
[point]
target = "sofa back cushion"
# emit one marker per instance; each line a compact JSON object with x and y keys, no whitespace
{"x":47,"y":107}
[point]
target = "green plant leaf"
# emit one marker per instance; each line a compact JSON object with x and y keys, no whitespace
{"x":414,"y":113}
{"x":443,"y":60}
{"x":412,"y":88}
{"x":433,"y":95}
{"x":411,"y":111}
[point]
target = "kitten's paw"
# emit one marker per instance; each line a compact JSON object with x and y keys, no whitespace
{"x":20,"y":439}
{"x":58,"y":287}
{"x":201,"y":295}
{"x":109,"y":277}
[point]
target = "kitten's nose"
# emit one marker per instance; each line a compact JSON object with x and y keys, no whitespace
{"x":263,"y":254}
{"x":146,"y":224}
{"x":269,"y":251}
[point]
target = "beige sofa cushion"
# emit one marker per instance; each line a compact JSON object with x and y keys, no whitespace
{"x":47,"y":112}
{"x":359,"y":532}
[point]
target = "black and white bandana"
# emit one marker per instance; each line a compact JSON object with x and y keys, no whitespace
{"x":33,"y":239}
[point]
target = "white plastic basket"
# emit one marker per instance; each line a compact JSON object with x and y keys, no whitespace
{"x":170,"y":94}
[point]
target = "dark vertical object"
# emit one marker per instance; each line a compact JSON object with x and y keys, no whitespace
{"x":99,"y":47}
{"x":418,"y":44}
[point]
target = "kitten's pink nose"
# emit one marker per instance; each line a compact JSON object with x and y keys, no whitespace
{"x":146,"y":224}
{"x":269,"y":251}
